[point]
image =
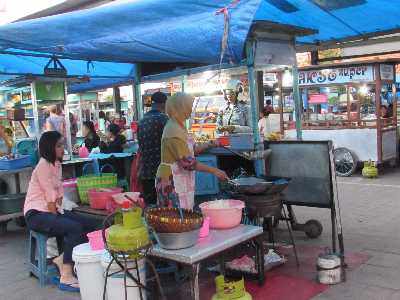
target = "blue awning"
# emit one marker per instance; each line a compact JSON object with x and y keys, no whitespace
{"x":179,"y":31}
{"x":101,"y":74}
{"x":334,"y":19}
{"x":138,"y":31}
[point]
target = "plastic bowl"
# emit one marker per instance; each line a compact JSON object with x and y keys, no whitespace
{"x":224,"y":214}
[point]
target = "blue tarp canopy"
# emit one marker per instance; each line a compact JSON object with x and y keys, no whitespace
{"x":190,"y":30}
{"x":182,"y":31}
{"x":101,"y":74}
{"x":138,"y":31}
{"x":334,"y":19}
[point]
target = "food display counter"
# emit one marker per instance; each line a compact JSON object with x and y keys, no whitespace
{"x":355,"y":107}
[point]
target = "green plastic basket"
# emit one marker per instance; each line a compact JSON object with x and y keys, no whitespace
{"x":86,"y":182}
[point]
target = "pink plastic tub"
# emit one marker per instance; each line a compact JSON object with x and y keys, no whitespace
{"x":98,"y":198}
{"x":223,"y":214}
{"x":96,"y":240}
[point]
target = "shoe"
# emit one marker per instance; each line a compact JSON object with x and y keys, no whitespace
{"x":68,"y":287}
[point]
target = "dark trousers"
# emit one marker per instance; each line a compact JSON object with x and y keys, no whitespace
{"x":149,"y":191}
{"x":69,"y":226}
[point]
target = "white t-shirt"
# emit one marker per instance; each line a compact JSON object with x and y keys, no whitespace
{"x":264,"y":126}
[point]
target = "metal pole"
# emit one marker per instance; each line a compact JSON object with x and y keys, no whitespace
{"x":67,"y":122}
{"x":138,"y":94}
{"x":35,"y":110}
{"x":297,"y":101}
{"x":254,"y":109}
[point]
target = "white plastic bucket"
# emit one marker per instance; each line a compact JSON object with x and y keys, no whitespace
{"x":89,"y":271}
{"x":115,"y":283}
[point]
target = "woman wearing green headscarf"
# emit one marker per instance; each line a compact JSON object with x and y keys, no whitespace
{"x":175,"y":176}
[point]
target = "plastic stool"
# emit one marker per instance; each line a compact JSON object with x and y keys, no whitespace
{"x":38,"y":257}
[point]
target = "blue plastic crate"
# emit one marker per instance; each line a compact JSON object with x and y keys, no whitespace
{"x":241,"y":141}
{"x":22,"y":161}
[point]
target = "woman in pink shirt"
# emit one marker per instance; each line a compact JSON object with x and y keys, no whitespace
{"x":43,"y":207}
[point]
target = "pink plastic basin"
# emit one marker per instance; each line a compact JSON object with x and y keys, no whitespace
{"x":96,"y":240}
{"x":98,"y":198}
{"x":223,"y":214}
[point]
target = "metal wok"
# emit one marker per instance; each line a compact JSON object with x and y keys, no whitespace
{"x":258,"y":185}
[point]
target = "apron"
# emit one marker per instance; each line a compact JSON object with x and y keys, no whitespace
{"x":184,"y":181}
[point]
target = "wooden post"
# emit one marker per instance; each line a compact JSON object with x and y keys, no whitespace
{"x":348,"y":105}
{"x":280,"y":95}
{"x":67,"y":122}
{"x":138,"y":94}
{"x":260,"y":91}
{"x":378,"y":88}
{"x":297,"y":101}
{"x":394,"y":98}
{"x":117,"y":99}
{"x":35,"y":110}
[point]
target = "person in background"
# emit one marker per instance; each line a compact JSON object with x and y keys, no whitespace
{"x":150,"y":130}
{"x":55,"y":121}
{"x":102,"y":121}
{"x":43,"y":207}
{"x":264,"y":125}
{"x":175,"y":175}
{"x":384,"y":112}
{"x":114,"y":144}
{"x":73,"y":128}
{"x":390,"y":110}
{"x":234,"y":117}
{"x":115,"y":140}
{"x":268,"y":107}
{"x":92,"y":140}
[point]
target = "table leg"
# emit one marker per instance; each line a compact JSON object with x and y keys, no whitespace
{"x":259,"y":245}
{"x":17,"y":183}
{"x":195,"y":294}
{"x":221,"y":259}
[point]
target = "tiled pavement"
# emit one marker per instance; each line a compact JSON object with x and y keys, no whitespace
{"x":370,"y":216}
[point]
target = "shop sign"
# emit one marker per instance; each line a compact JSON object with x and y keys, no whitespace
{"x":197,"y":86}
{"x":50,"y":91}
{"x":174,"y":87}
{"x":387,"y":72}
{"x":336,"y":75}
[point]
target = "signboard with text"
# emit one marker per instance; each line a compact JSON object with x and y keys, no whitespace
{"x":387,"y":72}
{"x":336,"y":75}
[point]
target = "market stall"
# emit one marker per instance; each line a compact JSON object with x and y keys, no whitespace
{"x":252,"y":46}
{"x":354,"y":106}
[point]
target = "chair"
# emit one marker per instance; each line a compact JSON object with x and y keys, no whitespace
{"x":38,"y":266}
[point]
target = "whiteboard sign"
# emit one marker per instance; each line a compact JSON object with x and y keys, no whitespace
{"x":336,"y":75}
{"x":387,"y":72}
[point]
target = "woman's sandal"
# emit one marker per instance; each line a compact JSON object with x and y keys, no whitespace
{"x":68,"y":287}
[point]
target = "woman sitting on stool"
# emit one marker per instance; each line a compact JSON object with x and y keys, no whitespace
{"x":43,"y":207}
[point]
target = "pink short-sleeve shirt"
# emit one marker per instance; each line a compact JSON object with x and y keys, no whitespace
{"x":44,"y":187}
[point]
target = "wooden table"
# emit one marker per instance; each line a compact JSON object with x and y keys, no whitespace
{"x":98,"y":215}
{"x":216,"y":243}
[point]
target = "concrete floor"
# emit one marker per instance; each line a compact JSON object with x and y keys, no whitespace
{"x":370,"y":217}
